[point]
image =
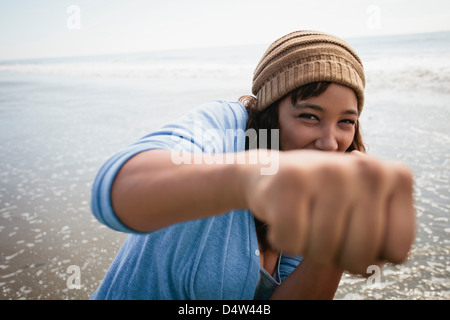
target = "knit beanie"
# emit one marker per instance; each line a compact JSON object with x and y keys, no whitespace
{"x":303,"y":57}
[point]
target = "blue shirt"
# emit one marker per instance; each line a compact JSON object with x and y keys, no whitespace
{"x":213,"y":258}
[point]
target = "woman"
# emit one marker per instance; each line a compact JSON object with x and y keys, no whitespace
{"x":212,"y":214}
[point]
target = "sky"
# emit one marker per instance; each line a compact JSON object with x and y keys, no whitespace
{"x":59,"y":28}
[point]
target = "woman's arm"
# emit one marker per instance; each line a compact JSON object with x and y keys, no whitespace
{"x":151,"y":192}
{"x":309,"y":282}
{"x":334,"y":209}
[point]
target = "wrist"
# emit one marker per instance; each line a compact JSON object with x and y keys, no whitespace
{"x":252,"y":167}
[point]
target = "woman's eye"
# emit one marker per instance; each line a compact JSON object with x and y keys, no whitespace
{"x":348,"y":121}
{"x":308,"y":116}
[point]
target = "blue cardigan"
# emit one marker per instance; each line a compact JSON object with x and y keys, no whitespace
{"x":213,"y":258}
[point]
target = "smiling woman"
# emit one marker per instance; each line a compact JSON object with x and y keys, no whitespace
{"x":310,"y":98}
{"x":202,"y":230}
{"x":324,"y":123}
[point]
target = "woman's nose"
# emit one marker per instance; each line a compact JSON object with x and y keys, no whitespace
{"x":327,"y":141}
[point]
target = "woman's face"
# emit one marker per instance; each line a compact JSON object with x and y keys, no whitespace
{"x":325,"y":122}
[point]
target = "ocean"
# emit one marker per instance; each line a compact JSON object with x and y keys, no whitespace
{"x":61,"y":118}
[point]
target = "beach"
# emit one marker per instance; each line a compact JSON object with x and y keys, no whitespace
{"x":60,"y":119}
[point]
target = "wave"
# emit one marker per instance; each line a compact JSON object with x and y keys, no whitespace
{"x":419,"y":73}
{"x":396,"y":73}
{"x":409,"y":62}
{"x":156,"y":70}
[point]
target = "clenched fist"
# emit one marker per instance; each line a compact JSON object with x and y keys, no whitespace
{"x":347,"y":210}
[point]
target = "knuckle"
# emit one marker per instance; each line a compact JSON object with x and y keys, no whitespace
{"x":353,"y":264}
{"x":370,"y":168}
{"x":291,"y":177}
{"x":405,"y":177}
{"x":332,"y":175}
{"x":372,"y":174}
{"x":396,"y":256}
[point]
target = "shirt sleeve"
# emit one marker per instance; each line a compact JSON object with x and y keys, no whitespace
{"x":213,"y":128}
{"x":287,"y":264}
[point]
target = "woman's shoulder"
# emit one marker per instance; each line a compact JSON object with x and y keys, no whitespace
{"x":218,"y":115}
{"x":227,"y":108}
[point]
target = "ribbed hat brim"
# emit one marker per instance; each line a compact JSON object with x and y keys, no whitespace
{"x":303,"y":57}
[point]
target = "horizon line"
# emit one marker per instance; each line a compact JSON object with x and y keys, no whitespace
{"x":162,"y":50}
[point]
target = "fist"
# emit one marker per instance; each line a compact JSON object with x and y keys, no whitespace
{"x":346,"y":210}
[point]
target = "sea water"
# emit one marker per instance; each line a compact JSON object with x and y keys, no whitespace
{"x":61,"y":118}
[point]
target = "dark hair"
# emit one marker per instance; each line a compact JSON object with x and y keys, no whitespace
{"x":268,"y":119}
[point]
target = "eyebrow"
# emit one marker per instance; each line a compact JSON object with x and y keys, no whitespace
{"x":308,"y":105}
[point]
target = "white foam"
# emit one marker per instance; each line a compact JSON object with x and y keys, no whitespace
{"x":132,"y":70}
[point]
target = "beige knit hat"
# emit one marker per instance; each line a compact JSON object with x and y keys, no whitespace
{"x":303,"y":57}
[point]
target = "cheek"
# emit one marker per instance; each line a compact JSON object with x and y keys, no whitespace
{"x":297,"y":138}
{"x":346,"y":140}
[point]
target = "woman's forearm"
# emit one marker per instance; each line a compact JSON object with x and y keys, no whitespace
{"x":309,"y":282}
{"x":152,"y":192}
